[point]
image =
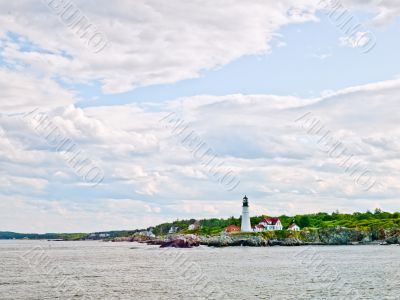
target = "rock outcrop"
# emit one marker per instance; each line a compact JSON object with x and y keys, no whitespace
{"x":340,"y":236}
{"x":273,"y":242}
{"x":255,"y":241}
{"x":181,"y":241}
{"x":155,"y":242}
{"x":322,"y":236}
{"x":123,"y":239}
{"x":392,"y":236}
{"x":222,"y":240}
{"x":133,"y":238}
{"x":292,"y":242}
{"x":225,"y":240}
{"x":393,"y":240}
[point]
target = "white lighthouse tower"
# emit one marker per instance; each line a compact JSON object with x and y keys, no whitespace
{"x":246,"y":227}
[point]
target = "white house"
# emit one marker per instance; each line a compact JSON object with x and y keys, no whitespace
{"x":268,"y":224}
{"x":293,"y":227}
{"x":97,"y":235}
{"x":173,"y":229}
{"x":194,"y":226}
{"x":149,"y":233}
{"x":259,"y":228}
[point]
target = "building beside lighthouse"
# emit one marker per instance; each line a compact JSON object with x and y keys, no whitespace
{"x":245,"y":226}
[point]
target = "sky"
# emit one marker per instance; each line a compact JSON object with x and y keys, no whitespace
{"x":127,"y":114}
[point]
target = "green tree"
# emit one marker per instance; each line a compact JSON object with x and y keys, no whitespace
{"x":304,"y":221}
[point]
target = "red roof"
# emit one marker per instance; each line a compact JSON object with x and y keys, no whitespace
{"x":232,"y":228}
{"x":292,"y":225}
{"x":259,"y":226}
{"x":270,"y":221}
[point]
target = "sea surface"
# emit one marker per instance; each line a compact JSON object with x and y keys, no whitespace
{"x":105,"y":270}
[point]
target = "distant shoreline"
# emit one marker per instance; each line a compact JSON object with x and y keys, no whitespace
{"x":310,"y":236}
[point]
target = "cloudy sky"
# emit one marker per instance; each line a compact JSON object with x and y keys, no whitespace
{"x":125,"y":114}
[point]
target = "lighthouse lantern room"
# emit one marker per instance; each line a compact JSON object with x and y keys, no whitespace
{"x":246,"y":226}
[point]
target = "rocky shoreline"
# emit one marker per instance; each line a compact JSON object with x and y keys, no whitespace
{"x":323,"y":236}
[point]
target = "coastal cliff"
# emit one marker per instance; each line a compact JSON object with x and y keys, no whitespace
{"x":321,"y":236}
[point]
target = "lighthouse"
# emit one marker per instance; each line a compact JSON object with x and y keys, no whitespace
{"x":246,"y":227}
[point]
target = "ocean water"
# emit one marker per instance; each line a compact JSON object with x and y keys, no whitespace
{"x":104,"y":270}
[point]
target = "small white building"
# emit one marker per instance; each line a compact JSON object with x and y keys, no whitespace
{"x":268,"y":224}
{"x":146,"y":233}
{"x":98,"y":235}
{"x":271,"y":224}
{"x":173,"y":229}
{"x":259,"y":228}
{"x":293,"y":227}
{"x":194,"y":226}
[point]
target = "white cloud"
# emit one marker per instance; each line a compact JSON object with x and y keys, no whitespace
{"x":149,"y":176}
{"x":23,"y":93}
{"x":386,"y":10}
{"x":279,"y":165}
{"x":25,"y":214}
{"x":148,"y":42}
{"x":358,"y":40}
